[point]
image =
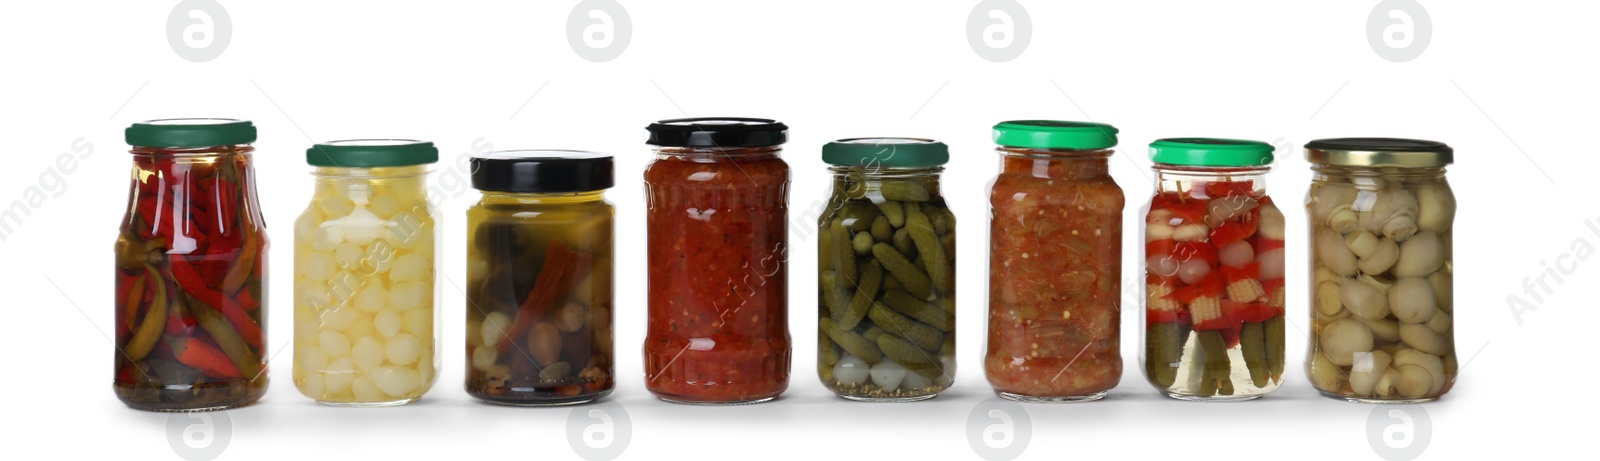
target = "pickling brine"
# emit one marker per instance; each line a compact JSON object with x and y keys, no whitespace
{"x":364,"y":275}
{"x":1214,"y":271}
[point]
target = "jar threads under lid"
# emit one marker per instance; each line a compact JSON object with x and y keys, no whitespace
{"x":542,"y":171}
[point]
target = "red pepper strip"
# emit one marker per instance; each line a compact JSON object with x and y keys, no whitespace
{"x":1271,"y":286}
{"x":1264,"y":245}
{"x":1232,"y":231}
{"x":1188,"y":251}
{"x":562,"y":268}
{"x":1234,"y":274}
{"x":1190,"y":209}
{"x":180,"y":325}
{"x":195,"y":285}
{"x":1211,"y":285}
{"x":227,"y":211}
{"x":1220,"y":189}
{"x":1154,"y":317}
{"x":199,"y":355}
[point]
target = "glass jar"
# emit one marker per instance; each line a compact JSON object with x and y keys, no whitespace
{"x":191,"y":270}
{"x":1055,"y":263}
{"x":718,"y":281}
{"x":1213,"y":260}
{"x":886,"y":282}
{"x":365,"y":267}
{"x":539,"y":272}
{"x":1380,"y":215}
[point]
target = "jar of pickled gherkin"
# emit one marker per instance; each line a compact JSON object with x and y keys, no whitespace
{"x":191,"y":273}
{"x":1380,"y":215}
{"x":886,"y":263}
{"x":1213,"y":257}
{"x":365,"y":267}
{"x":718,"y":292}
{"x":539,"y":271}
{"x":1055,"y":263}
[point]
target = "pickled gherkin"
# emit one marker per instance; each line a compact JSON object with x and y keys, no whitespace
{"x":886,"y":310}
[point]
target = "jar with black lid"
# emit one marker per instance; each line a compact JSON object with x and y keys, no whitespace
{"x":539,"y":278}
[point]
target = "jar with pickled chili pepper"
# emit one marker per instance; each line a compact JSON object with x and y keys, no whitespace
{"x":191,"y":269}
{"x":1055,"y":263}
{"x":718,"y":326}
{"x":1382,"y":298}
{"x":539,"y":271}
{"x":365,"y":267}
{"x":1213,"y":259}
{"x":886,"y":272}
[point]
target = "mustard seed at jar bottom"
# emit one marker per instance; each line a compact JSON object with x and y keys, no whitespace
{"x":539,"y":272}
{"x":1381,"y":213}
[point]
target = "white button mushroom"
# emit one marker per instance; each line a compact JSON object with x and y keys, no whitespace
{"x":1384,"y":254}
{"x":1328,"y":299}
{"x":1362,"y":243}
{"x":1420,"y":255}
{"x":1392,"y":213}
{"x":1341,"y":340}
{"x":1424,"y":339}
{"x":1415,"y":381}
{"x":1366,"y":370}
{"x":1327,"y":198}
{"x":1411,"y":300}
{"x":1440,"y":323}
{"x":1364,"y":299}
{"x":1324,"y":374}
{"x":1332,"y":252}
{"x":1443,"y":289}
{"x":1432,"y":363}
{"x":1384,"y":329}
{"x":1436,"y":208}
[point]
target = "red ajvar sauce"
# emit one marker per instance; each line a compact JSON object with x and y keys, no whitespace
{"x":718,"y":291}
{"x":1055,"y":263}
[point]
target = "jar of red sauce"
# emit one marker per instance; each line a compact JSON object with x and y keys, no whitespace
{"x":718,"y":290}
{"x":1055,"y":263}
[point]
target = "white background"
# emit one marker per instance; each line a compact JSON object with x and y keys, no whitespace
{"x":1510,"y":86}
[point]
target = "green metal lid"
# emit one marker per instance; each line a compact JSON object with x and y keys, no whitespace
{"x":886,"y":152}
{"x":1055,"y":134}
{"x":1211,"y":152}
{"x":190,"y":132}
{"x":372,"y":153}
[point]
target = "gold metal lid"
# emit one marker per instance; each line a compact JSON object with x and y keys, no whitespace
{"x":1380,"y":152}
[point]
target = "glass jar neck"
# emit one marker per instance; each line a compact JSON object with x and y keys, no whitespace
{"x":196,"y":153}
{"x":328,"y":173}
{"x":515,"y":198}
{"x":1055,"y":163}
{"x":1359,"y":173}
{"x":882,"y":173}
{"x":1183,"y":178}
{"x":719,"y":152}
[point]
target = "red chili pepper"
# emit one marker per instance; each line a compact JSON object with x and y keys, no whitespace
{"x":198,"y":354}
{"x":1271,"y":286}
{"x":195,"y":285}
{"x":562,"y":268}
{"x":1154,"y":317}
{"x":227,"y":213}
{"x":1219,"y":189}
{"x":246,"y":300}
{"x":1232,"y":231}
{"x":179,"y":325}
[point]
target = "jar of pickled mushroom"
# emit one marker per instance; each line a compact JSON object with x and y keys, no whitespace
{"x":718,"y":242}
{"x":886,"y":263}
{"x":191,"y":269}
{"x":364,"y":264}
{"x":1055,"y":263}
{"x":539,"y":271}
{"x":1380,"y":215}
{"x":1214,"y":266}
